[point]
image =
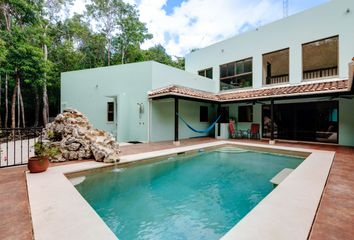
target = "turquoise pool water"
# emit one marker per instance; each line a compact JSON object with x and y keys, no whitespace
{"x":197,"y":197}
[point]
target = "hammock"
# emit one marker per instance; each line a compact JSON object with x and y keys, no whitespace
{"x":200,"y":131}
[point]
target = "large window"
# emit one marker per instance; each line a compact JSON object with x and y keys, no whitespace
{"x":311,"y":121}
{"x":236,"y":74}
{"x":206,"y":73}
{"x":110,"y":111}
{"x":245,"y":113}
{"x":203,"y":114}
{"x":276,"y":67}
{"x":320,"y":59}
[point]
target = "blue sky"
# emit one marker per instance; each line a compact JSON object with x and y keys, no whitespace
{"x":182,"y":25}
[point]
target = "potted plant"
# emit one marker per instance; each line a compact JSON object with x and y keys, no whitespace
{"x":40,"y":162}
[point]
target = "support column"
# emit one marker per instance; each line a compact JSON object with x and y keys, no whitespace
{"x":176,"y":141}
{"x":218,"y":112}
{"x":272,"y":141}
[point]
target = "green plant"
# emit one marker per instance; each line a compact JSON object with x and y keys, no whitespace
{"x":54,"y":136}
{"x":42,"y":150}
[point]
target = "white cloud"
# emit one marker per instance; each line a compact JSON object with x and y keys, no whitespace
{"x":199,"y":23}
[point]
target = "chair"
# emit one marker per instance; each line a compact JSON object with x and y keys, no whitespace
{"x":232,"y":129}
{"x":254,"y":131}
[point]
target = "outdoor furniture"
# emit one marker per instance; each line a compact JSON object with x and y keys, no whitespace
{"x":232,"y":129}
{"x":254,"y":131}
{"x":243,"y":133}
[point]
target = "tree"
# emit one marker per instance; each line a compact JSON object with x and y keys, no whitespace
{"x":158,"y":53}
{"x":132,"y":31}
{"x":3,"y":53}
{"x":107,"y":15}
{"x":18,"y":17}
{"x":38,"y":41}
{"x":50,"y":13}
{"x":25,"y":62}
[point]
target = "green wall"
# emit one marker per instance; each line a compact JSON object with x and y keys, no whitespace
{"x":346,"y":122}
{"x":162,"y":119}
{"x":128,"y":85}
{"x":89,"y":90}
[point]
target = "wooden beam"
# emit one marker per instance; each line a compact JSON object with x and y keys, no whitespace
{"x":272,"y":119}
{"x":218,"y":114}
{"x":176,"y":119}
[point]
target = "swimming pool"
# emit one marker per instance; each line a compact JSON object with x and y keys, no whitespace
{"x":190,"y":197}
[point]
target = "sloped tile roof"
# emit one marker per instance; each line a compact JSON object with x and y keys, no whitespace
{"x":253,"y":94}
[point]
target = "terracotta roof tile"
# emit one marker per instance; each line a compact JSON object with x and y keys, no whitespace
{"x":300,"y":89}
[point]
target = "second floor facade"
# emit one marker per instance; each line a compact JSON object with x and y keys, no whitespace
{"x":314,"y":45}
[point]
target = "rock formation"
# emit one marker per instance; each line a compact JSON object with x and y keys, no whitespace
{"x":77,"y":139}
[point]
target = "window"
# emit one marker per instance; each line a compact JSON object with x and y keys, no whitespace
{"x":110,"y":111}
{"x":310,"y":121}
{"x":224,"y":115}
{"x":320,"y":59}
{"x":276,"y":67}
{"x":245,"y":113}
{"x":236,"y":74}
{"x":203,"y":114}
{"x":206,"y":73}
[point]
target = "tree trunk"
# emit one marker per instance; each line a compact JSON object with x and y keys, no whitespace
{"x":36,"y":109}
{"x":8,"y":28}
{"x":45,"y":93}
{"x":18,"y":104}
{"x":109,"y":52}
{"x":22,"y":106}
{"x":6,"y":100}
{"x":123,"y":55}
{"x":13,"y":105}
{"x":0,"y":100}
{"x":45,"y":104}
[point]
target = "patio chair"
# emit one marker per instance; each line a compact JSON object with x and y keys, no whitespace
{"x":232,"y":130}
{"x":254,"y":131}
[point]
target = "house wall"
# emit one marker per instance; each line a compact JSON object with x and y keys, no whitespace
{"x":324,"y":21}
{"x":257,"y":115}
{"x":89,"y":90}
{"x":162,"y":119}
{"x":163,"y":75}
{"x":346,"y":122}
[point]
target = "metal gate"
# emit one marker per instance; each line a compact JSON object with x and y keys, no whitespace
{"x":17,"y":145}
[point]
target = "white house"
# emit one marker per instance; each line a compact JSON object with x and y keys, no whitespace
{"x":292,"y":78}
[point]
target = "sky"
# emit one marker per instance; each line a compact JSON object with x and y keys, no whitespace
{"x":183,"y":25}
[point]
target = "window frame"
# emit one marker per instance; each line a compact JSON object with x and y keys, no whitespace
{"x":264,"y":73}
{"x":236,"y":73}
{"x":245,"y":111}
{"x":202,"y":116}
{"x":302,"y":59}
{"x":110,"y":112}
{"x":203,"y":72}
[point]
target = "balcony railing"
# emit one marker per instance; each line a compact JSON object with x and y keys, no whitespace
{"x":320,"y":73}
{"x":278,"y":79}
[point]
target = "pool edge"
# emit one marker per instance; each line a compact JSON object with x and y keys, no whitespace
{"x":51,"y":200}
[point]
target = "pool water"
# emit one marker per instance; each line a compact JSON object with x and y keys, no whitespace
{"x":196,"y":197}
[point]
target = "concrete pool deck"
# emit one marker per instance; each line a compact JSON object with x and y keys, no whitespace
{"x":334,"y":217}
{"x":62,"y":213}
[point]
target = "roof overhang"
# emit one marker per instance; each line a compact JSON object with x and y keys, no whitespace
{"x":304,"y":90}
{"x":310,"y":89}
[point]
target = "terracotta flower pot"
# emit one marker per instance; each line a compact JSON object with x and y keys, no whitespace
{"x":37,"y":164}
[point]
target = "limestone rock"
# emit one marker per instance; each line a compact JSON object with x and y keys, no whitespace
{"x":79,"y":140}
